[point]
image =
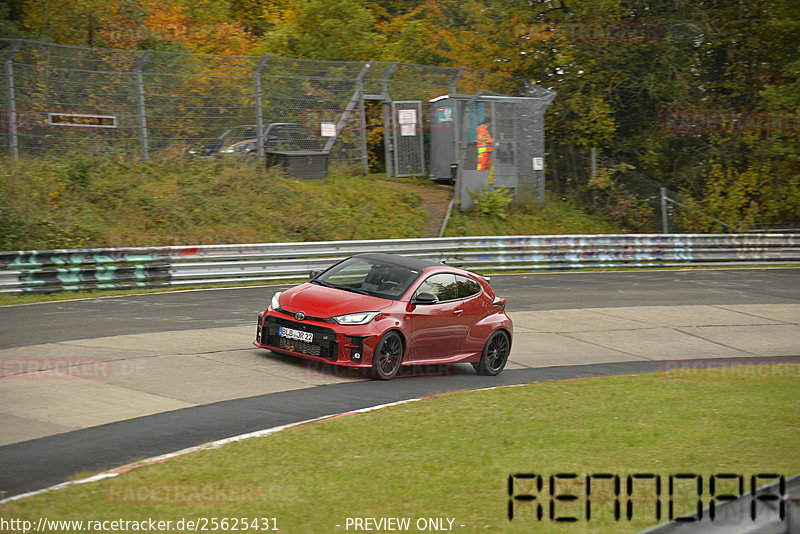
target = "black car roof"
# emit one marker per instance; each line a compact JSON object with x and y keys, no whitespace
{"x":417,"y":264}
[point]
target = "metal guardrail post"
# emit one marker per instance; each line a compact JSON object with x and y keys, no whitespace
{"x":13,"y":141}
{"x":259,"y":105}
{"x":140,"y":103}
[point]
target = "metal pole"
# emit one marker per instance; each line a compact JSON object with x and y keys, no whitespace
{"x":421,"y":140}
{"x":358,"y":96}
{"x":388,"y":147}
{"x":363,"y":127}
{"x":142,"y":112}
{"x":593,"y":158}
{"x":684,"y":206}
{"x":453,"y":90}
{"x":664,"y":216}
{"x":540,"y":176}
{"x":259,"y":108}
{"x":13,"y":141}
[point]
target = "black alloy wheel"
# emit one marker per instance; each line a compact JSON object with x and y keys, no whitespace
{"x":495,"y":354}
{"x":388,"y":356}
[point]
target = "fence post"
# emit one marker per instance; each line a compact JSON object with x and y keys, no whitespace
{"x":453,"y":86}
{"x":363,"y":122}
{"x":140,"y":105}
{"x":13,"y":141}
{"x":259,"y":107}
{"x":593,"y":157}
{"x":388,"y":149}
{"x":664,"y":216}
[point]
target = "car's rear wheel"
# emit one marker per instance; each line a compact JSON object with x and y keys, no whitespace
{"x":388,"y":356}
{"x":495,"y":354}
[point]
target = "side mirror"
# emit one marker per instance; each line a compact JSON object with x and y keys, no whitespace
{"x":425,"y":298}
{"x":313,"y":274}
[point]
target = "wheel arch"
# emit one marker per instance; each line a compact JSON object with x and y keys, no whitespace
{"x":378,"y":338}
{"x":402,"y":335}
{"x":508,"y":334}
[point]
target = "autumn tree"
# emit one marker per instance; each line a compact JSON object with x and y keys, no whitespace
{"x":321,"y":29}
{"x":200,"y":26}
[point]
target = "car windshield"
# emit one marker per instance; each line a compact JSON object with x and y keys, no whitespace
{"x":369,"y":277}
{"x":238,"y":134}
{"x":289,"y":137}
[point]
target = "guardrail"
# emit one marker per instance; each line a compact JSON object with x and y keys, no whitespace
{"x":183,"y":266}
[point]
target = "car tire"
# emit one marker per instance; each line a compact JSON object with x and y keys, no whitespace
{"x":495,"y":354}
{"x":388,"y":356}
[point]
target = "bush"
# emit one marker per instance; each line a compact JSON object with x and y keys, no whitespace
{"x":491,"y":203}
{"x":13,"y":230}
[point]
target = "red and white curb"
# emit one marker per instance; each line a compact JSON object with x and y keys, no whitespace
{"x":219,"y":443}
{"x":183,"y":452}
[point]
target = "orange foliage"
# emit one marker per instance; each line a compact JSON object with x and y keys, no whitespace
{"x":169,"y":22}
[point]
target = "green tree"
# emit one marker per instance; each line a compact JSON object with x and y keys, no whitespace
{"x":322,"y":29}
{"x":618,"y":65}
{"x":66,"y":21}
{"x":11,"y":19}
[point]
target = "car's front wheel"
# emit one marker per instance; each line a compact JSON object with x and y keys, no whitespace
{"x":495,"y":354}
{"x":388,"y":356}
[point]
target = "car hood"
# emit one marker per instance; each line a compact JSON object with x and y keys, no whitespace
{"x":320,"y":301}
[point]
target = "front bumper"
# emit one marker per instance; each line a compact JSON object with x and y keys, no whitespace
{"x":332,"y":343}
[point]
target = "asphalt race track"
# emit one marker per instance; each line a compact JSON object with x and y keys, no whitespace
{"x":197,"y":378}
{"x":49,"y":323}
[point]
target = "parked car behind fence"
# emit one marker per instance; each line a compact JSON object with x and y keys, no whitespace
{"x":243,"y":139}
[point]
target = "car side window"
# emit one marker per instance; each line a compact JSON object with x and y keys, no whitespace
{"x":467,"y":287}
{"x":443,"y":285}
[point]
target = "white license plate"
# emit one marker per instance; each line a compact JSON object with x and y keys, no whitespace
{"x":290,"y":333}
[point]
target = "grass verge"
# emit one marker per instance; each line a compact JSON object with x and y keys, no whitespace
{"x":526,"y":216}
{"x":87,"y":201}
{"x":84,"y":201}
{"x":450,"y":457}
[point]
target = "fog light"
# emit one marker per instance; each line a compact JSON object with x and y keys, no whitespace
{"x":356,"y":346}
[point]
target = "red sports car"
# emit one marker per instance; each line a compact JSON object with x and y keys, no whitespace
{"x":384,"y":310}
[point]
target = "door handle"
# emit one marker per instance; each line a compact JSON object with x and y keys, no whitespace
{"x":458,"y":312}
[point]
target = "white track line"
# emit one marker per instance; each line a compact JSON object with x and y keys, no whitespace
{"x":205,"y":446}
{"x":220,"y":442}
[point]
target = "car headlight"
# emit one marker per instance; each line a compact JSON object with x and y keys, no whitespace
{"x":356,"y":318}
{"x":276,"y":304}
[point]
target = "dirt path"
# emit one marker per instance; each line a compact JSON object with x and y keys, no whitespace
{"x":435,"y":199}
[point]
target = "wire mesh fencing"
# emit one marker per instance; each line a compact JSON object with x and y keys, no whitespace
{"x":59,"y":98}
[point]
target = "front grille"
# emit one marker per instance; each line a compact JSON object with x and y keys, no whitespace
{"x":324,"y":345}
{"x":309,"y":318}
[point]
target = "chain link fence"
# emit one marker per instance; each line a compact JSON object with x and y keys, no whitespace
{"x":627,"y":197}
{"x":59,"y":98}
